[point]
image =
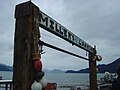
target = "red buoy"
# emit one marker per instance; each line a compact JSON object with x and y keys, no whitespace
{"x":37,"y":65}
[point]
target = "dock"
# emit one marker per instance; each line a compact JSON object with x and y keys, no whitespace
{"x":6,"y":84}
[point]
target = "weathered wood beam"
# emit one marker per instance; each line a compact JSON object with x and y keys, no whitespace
{"x":26,"y":15}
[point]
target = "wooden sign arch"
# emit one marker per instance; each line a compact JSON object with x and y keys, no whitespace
{"x":28,"y":20}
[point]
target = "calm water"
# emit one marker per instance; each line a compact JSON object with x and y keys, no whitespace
{"x":6,"y":75}
{"x":60,"y":78}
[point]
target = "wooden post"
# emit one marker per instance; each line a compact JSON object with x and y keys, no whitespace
{"x":27,"y":17}
{"x":92,"y":71}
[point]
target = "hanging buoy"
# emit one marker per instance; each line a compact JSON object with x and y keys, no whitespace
{"x":43,"y":82}
{"x":99,"y":58}
{"x":36,"y":86}
{"x":39,"y":75}
{"x":37,"y":65}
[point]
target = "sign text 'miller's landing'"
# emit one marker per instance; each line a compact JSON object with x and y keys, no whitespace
{"x":54,"y":27}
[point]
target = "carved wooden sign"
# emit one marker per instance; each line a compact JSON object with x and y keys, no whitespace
{"x":54,"y":27}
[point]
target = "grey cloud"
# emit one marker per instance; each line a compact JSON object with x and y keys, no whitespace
{"x":94,"y":21}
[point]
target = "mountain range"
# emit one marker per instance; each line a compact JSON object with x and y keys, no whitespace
{"x":53,"y":71}
{"x":4,"y":67}
{"x":102,"y":68}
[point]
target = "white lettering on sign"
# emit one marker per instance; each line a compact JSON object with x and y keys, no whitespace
{"x":54,"y":27}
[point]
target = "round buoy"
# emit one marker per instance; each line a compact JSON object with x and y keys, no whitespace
{"x":36,"y":86}
{"x":39,"y":75}
{"x":37,"y":65}
{"x":43,"y":82}
{"x":99,"y":58}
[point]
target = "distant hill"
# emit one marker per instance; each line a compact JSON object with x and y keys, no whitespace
{"x":53,"y":71}
{"x":111,"y":67}
{"x":46,"y":70}
{"x":4,"y":67}
{"x":57,"y":71}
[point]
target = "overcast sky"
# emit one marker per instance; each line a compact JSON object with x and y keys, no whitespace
{"x":95,"y":21}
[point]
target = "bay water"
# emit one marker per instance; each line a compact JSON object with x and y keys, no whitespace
{"x":62,"y":79}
